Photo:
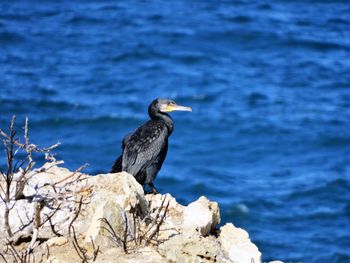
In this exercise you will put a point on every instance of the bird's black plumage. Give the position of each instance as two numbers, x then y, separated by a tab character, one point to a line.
117	166
144	150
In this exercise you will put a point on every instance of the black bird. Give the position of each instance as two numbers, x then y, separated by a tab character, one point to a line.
145	150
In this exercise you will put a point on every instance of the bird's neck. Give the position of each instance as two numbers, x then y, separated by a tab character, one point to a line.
164	117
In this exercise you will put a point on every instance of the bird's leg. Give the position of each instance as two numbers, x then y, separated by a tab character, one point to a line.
153	189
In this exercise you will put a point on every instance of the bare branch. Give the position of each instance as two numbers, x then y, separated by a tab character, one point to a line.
96	250
82	252
48	251
155	220
113	235
76	215
71	175
38	206
6	220
156	231
14	167
14	252
53	228
125	240
48	217
3	257
20	171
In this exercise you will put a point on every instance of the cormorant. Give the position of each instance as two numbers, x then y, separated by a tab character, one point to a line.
145	150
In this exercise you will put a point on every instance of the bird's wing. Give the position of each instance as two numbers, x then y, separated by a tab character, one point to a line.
117	166
143	147
125	140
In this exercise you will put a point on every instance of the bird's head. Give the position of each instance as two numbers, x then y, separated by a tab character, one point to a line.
166	105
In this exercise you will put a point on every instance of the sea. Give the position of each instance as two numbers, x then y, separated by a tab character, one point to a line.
268	81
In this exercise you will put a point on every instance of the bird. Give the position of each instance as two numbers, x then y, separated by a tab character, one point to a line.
144	150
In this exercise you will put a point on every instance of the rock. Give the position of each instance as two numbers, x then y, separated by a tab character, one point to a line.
237	245
107	215
41	178
141	255
54	259
126	191
19	216
159	229
195	248
182	219
175	210
201	215
116	197
57	241
39	184
173	221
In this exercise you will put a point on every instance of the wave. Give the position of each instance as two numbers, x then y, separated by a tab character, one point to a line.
240	209
315	44
190	57
143	52
337	256
239	19
257	99
15	17
334	141
41	103
156	17
266	37
9	38
340	21
199	97
28	15
109	7
81	19
329	189
137	54
87	120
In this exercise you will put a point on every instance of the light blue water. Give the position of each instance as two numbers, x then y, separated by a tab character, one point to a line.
268	81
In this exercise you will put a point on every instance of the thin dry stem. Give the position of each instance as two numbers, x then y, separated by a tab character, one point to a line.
76	215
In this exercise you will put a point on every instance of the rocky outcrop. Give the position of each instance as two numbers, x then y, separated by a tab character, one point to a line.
109	214
236	244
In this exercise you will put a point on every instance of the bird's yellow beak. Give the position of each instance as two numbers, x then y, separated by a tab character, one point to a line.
175	107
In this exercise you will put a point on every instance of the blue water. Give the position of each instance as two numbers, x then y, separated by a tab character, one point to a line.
268	81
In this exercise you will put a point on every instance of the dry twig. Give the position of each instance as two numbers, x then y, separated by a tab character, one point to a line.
75	216
19	171
81	251
143	232
113	235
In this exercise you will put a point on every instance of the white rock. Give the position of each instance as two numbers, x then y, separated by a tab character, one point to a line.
173	221
98	228
195	248
124	188
57	241
54	259
19	216
237	245
201	215
184	235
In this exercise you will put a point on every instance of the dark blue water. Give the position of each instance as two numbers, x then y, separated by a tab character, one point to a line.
269	83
